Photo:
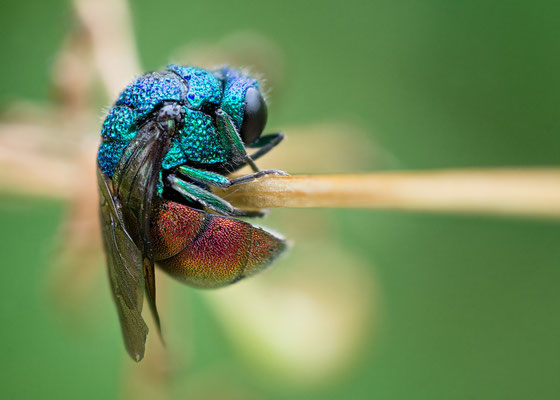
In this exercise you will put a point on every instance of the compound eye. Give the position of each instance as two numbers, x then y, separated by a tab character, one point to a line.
254	118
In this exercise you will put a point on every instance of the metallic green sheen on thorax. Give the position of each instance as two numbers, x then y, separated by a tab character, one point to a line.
199	92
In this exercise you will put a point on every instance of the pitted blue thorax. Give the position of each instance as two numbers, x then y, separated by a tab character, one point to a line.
202	95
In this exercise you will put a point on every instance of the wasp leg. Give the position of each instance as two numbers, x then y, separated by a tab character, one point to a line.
239	151
197	194
202	176
257	175
265	144
217	180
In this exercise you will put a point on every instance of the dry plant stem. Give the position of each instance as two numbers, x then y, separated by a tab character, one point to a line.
524	192
113	47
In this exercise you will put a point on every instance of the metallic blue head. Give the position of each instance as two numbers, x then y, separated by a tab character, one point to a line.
201	93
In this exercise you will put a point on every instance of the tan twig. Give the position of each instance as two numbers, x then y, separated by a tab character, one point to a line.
109	25
526	192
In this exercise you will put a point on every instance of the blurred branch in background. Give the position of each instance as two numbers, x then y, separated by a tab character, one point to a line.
113	48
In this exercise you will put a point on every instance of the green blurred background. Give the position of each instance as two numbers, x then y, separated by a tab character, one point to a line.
468	306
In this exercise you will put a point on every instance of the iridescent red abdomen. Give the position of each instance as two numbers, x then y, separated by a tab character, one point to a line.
207	250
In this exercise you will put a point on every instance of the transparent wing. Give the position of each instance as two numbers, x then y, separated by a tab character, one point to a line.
135	180
126	276
126	204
